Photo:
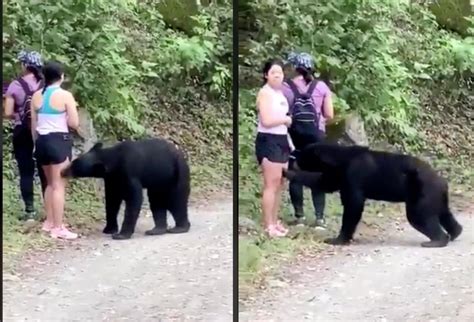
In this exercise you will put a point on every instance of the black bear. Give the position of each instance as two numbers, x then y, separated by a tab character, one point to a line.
359	173
131	166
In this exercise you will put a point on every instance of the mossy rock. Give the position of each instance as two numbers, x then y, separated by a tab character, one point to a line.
347	130
451	14
176	13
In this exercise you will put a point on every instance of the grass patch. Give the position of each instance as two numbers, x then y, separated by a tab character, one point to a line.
260	257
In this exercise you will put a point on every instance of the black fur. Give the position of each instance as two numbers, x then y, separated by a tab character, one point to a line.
359	173
131	166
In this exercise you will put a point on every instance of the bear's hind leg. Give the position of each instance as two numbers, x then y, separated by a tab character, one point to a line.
450	224
422	218
159	211
133	204
447	220
179	210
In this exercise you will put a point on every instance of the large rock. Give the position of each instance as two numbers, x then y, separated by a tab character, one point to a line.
248	227
87	136
348	130
451	13
84	140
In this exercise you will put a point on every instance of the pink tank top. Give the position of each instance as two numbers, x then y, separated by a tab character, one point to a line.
280	107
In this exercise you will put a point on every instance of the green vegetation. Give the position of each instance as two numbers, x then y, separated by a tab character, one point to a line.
137	76
388	61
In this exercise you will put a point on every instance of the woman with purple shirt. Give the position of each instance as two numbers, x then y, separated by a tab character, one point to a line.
14	98
303	76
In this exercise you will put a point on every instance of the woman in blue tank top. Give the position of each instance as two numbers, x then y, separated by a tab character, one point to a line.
53	112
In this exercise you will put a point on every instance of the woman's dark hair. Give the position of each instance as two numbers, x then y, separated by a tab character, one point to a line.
306	73
52	72
268	65
36	72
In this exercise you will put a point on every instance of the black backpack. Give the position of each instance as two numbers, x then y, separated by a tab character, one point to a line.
24	109
304	127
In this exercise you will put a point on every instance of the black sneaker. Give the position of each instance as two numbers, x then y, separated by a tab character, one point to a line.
320	224
297	221
30	214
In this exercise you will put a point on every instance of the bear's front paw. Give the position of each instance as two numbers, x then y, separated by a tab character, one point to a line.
110	230
337	241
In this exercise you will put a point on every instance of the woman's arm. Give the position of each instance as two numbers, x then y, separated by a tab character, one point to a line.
290	142
8	107
9	99
35	103
72	114
265	112
328	109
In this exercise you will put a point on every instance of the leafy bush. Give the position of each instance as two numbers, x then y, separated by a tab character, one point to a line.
110	60
375	52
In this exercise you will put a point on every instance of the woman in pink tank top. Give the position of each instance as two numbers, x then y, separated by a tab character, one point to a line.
272	145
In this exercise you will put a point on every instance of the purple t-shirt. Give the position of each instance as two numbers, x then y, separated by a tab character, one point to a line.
319	93
16	91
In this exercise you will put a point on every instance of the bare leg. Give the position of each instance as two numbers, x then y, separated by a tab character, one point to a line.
58	194
48	195
58	201
272	183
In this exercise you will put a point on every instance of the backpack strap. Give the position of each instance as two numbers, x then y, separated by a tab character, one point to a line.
293	88
312	86
25	87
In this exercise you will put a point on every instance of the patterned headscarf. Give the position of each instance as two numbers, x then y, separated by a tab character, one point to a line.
304	60
30	58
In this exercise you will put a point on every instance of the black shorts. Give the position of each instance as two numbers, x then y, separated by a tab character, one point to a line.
274	147
53	148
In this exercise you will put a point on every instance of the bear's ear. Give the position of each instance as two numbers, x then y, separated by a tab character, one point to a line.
97	146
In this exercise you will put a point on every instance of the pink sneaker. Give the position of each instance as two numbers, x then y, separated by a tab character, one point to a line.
63	233
272	231
279	226
47	226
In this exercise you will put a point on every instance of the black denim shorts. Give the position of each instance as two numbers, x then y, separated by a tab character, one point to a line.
53	148
274	147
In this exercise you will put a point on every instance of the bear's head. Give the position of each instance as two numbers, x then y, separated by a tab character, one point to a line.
312	158
88	165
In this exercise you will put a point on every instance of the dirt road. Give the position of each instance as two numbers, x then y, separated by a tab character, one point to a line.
372	280
185	277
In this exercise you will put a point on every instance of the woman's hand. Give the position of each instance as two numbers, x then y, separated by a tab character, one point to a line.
288	121
290	143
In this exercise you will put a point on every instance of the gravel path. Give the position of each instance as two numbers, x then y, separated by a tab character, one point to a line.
373	280
186	277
